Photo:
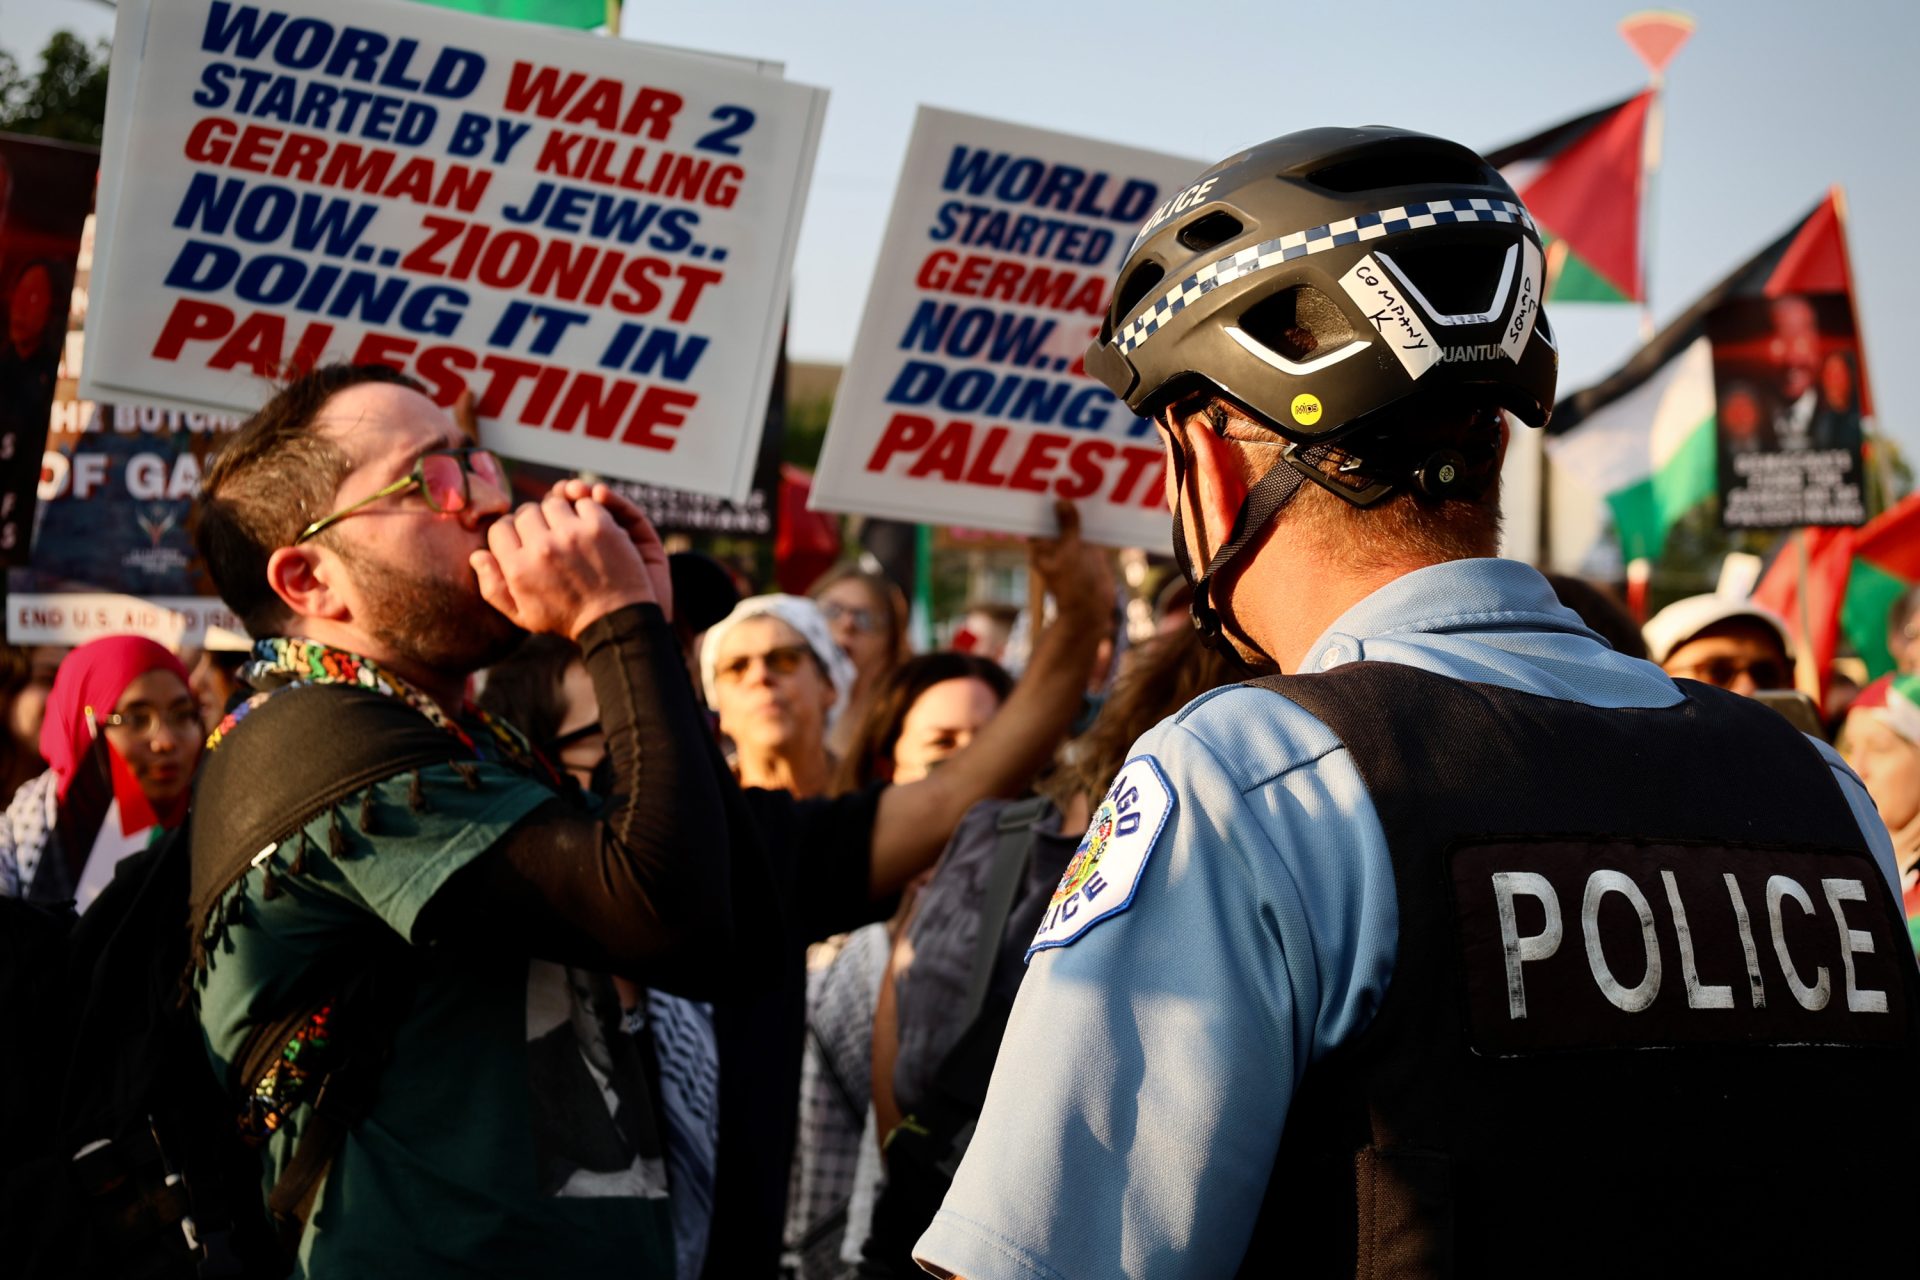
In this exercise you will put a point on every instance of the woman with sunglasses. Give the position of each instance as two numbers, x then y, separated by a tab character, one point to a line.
122	737
779	685
868	616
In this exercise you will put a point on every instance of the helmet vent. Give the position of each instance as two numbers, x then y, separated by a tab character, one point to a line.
1455	278
1417	166
1216	228
1298	323
1135	287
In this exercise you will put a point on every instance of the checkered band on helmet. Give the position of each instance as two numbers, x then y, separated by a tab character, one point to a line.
1327	274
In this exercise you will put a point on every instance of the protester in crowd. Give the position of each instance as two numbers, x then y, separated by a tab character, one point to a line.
1903	627
1881	740
779	685
924	1005
987	628
868	616
930	707
1313	999
546	690
121	735
214	677
843	862
1731	644
30	674
440	902
1602	611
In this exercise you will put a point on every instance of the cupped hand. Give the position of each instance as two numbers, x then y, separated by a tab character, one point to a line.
639	530
558	565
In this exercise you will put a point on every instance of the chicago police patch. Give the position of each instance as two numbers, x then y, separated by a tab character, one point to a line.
1105	871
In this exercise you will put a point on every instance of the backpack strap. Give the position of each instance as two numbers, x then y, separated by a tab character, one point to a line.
1011	854
305	749
923	1153
368	1014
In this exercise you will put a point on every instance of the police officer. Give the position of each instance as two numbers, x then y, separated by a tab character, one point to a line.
1469	946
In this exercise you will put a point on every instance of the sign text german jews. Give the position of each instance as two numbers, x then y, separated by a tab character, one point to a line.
965	401
592	236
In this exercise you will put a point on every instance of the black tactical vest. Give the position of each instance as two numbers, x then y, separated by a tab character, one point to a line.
1652	1012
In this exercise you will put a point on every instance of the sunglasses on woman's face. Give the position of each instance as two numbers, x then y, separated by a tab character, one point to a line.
863	620
781	661
442	476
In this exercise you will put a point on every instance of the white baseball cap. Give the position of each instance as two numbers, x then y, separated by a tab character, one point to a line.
1682	620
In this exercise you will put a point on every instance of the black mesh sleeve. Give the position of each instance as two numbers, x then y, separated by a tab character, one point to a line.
644	890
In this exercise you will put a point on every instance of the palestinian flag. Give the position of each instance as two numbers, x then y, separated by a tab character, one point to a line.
583	14
1853	576
1644	436
104	817
1582	181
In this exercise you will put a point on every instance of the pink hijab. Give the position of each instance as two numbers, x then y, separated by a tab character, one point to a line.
94	675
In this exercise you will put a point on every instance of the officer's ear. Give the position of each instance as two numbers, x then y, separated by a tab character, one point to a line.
1218	484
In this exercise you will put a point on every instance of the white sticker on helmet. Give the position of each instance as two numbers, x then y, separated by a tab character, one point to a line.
1526	311
1393	315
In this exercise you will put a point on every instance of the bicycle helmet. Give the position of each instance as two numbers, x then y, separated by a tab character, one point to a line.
1318	279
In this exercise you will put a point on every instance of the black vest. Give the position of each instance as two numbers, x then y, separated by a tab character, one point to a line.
1652	1009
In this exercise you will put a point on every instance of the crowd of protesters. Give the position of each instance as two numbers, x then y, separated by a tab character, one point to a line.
724	896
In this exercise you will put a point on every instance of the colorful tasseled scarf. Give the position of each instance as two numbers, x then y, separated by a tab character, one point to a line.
283	661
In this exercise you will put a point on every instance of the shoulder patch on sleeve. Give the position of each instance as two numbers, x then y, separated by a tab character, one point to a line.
1105	871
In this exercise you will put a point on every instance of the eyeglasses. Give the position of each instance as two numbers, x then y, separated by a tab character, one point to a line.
441	475
1766	673
146	721
782	661
863	620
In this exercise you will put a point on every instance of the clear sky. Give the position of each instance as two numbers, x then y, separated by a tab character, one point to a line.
1770	103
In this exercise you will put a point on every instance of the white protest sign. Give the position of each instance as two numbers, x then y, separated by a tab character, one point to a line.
593	236
965	401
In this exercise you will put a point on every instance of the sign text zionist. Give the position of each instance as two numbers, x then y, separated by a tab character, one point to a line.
593	236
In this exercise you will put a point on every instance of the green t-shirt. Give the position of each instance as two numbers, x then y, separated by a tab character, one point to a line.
510	1135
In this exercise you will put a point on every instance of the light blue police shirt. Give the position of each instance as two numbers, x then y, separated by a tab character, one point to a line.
1137	1103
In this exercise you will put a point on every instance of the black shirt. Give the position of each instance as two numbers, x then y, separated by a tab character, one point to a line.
820	853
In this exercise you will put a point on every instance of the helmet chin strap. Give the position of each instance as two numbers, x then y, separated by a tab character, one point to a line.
1263	502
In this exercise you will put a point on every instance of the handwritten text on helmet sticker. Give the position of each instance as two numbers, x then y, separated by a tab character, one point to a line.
1393	316
1526	311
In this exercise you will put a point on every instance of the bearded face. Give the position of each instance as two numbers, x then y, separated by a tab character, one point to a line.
435	623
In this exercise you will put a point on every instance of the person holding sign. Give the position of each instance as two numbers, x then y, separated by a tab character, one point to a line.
383	874
1354	968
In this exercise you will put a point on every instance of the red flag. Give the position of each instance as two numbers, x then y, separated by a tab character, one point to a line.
1829	563
136	811
1656	35
806	543
1816	262
1582	182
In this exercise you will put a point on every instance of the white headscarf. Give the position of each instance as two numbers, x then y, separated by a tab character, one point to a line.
804	616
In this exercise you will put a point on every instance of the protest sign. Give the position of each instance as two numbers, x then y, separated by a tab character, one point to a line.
1786	372
593	236
111	551
46	189
965	401
679	511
